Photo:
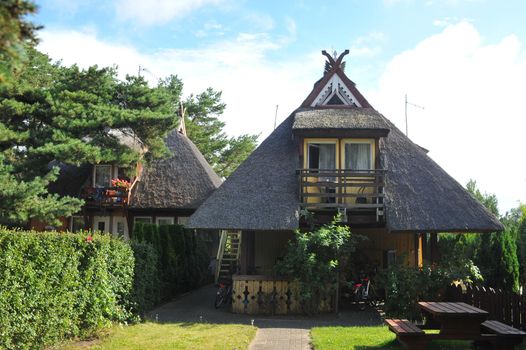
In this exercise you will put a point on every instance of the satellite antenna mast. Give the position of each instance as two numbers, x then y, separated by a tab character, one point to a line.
276	117
414	105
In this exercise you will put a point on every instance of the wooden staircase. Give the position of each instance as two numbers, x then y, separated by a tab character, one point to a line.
228	254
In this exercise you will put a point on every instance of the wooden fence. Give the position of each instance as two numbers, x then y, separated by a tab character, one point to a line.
506	307
258	294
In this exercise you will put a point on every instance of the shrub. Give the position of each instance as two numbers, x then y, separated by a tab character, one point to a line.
146	293
182	257
405	286
313	260
55	285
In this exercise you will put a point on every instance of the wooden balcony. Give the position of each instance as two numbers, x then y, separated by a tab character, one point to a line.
105	196
351	192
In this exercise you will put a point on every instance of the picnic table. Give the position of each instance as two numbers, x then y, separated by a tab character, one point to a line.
458	321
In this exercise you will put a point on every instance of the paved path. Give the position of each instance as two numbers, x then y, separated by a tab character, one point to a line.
274	332
281	338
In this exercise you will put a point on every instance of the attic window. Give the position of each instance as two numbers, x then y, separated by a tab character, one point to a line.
358	156
322	155
335	100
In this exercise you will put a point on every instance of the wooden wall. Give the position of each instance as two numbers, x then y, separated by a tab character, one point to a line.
379	241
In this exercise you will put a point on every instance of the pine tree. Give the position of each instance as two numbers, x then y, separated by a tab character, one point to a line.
66	114
205	129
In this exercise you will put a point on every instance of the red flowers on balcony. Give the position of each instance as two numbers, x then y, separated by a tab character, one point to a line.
124	184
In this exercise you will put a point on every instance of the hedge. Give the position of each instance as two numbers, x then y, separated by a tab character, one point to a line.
58	285
183	259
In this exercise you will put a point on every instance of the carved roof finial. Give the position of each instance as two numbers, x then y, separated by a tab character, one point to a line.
334	63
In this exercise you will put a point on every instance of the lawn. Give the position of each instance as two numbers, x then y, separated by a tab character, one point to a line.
170	336
377	337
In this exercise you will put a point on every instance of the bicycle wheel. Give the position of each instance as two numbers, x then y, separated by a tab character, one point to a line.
373	298
220	298
360	298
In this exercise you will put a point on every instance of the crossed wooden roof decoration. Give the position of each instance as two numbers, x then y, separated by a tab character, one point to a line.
335	68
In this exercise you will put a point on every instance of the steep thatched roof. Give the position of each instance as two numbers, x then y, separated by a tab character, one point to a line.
419	195
262	193
182	181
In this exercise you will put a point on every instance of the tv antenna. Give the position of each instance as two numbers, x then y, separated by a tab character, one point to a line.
411	104
276	117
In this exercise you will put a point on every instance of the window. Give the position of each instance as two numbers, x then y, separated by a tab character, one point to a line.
143	219
102	176
101	226
358	156
120	228
122	173
322	155
77	223
182	220
389	258
165	221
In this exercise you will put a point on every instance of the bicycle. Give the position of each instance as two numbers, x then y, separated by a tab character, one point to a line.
364	293
223	294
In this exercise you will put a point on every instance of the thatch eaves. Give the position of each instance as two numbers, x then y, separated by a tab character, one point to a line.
182	181
349	118
262	193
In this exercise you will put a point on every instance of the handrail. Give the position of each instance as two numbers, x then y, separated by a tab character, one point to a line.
349	189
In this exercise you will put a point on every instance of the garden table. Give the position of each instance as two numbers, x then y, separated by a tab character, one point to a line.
457	320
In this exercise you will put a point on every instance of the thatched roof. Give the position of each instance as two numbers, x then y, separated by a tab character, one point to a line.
350	118
182	181
262	194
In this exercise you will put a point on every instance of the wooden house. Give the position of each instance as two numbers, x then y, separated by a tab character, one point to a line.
165	191
337	154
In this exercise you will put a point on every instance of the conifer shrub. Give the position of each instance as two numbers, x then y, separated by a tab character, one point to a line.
182	262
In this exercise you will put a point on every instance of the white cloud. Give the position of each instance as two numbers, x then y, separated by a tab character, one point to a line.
474	115
252	85
158	11
368	45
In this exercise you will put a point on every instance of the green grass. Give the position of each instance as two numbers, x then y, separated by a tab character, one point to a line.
378	337
177	336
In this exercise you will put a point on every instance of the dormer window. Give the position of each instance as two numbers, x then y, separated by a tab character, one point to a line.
102	176
322	155
359	155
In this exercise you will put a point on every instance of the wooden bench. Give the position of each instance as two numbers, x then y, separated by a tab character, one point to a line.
506	337
412	337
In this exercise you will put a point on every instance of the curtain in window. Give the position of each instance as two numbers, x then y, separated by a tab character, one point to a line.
358	156
327	156
102	175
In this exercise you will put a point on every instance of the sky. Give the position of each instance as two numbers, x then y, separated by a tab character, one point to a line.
463	61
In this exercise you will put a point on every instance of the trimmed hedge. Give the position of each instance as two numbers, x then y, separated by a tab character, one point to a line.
57	285
183	259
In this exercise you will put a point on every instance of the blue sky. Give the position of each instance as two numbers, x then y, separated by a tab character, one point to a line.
463	60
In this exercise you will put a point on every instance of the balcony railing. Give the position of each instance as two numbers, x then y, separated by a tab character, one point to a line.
343	189
105	196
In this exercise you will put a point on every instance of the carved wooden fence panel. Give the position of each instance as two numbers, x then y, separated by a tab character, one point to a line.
266	295
506	307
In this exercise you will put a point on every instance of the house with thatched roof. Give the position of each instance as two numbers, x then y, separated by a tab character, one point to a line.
336	154
165	191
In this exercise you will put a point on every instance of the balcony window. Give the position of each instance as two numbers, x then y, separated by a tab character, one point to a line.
358	156
102	176
322	155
